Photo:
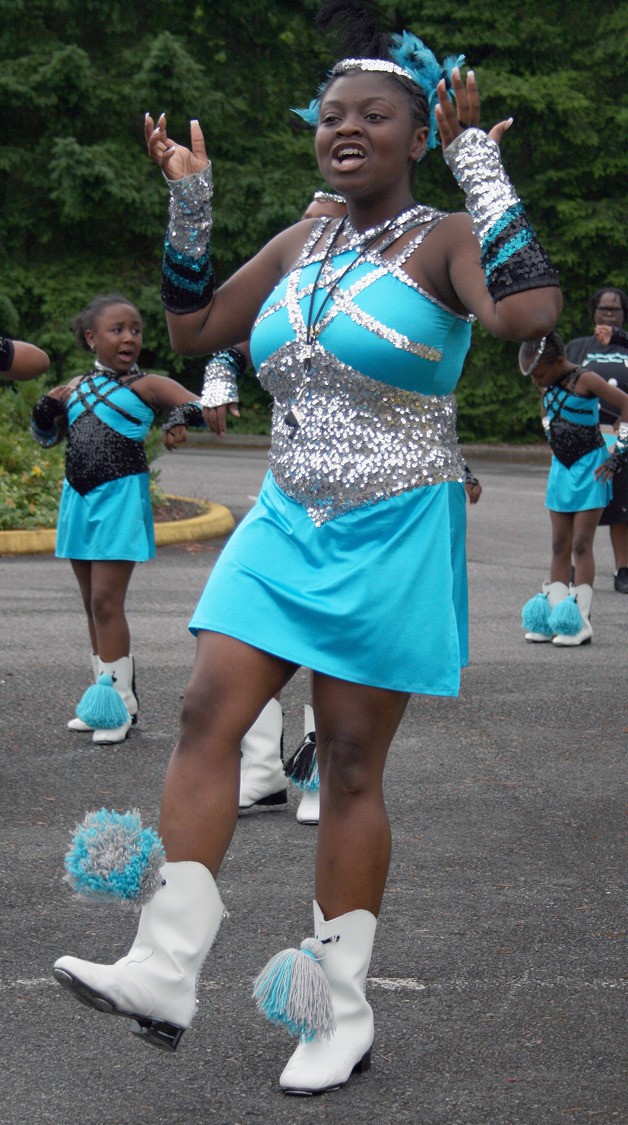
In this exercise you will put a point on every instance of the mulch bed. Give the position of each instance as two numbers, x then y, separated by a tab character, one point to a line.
173	509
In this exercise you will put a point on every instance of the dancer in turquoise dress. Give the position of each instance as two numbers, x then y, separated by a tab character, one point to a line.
105	523
360	327
578	487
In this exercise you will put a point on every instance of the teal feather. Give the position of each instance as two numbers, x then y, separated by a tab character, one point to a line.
102	707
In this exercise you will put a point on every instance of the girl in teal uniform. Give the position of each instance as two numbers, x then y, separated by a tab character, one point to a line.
346	563
578	487
105	522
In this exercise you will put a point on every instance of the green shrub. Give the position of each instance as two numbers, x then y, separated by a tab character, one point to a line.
31	478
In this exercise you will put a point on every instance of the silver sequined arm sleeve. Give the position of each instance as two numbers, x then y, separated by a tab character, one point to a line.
221	375
512	256
187	275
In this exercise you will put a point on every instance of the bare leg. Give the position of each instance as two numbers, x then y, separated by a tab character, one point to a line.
230	684
562	538
109	585
619	543
584	528
83	574
355	726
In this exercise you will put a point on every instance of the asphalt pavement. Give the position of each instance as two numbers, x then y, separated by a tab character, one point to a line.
496	978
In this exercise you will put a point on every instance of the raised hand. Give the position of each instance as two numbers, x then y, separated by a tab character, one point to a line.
453	117
603	333
175	161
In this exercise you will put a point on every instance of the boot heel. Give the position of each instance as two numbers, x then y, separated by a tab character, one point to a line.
159	1033
364	1064
280	798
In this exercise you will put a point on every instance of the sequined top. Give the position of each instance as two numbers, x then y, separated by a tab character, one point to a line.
107	424
574	431
372	390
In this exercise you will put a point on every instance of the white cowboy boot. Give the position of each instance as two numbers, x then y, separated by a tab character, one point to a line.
155	984
308	811
76	723
262	780
583	596
554	593
122	672
325	1064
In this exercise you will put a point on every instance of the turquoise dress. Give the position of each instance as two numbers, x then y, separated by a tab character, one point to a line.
105	512
573	487
352	561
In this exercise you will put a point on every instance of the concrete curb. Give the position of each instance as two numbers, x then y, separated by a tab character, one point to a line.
215	522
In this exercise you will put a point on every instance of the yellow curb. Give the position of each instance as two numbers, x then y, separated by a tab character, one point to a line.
216	521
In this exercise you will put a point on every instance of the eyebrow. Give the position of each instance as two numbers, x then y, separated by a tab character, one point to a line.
370	100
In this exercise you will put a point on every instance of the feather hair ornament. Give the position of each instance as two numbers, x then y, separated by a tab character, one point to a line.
417	62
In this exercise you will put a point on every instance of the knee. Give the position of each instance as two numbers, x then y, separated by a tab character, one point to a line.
561	545
345	771
103	607
196	710
582	546
204	726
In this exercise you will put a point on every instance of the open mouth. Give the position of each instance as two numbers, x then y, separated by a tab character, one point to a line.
348	157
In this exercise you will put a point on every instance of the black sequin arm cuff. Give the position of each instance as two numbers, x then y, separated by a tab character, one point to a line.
187	276
43	426
512	256
7	352
188	414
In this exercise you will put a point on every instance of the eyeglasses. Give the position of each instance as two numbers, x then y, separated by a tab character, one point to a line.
609	308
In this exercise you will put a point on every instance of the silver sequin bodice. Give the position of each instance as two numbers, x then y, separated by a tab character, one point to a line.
360	439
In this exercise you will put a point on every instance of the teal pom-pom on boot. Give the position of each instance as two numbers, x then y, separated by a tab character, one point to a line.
102	707
535	615
566	618
576	610
293	991
114	858
302	769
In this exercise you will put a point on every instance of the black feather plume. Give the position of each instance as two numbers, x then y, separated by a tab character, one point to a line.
354	30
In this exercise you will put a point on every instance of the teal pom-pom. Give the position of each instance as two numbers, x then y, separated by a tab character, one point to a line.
293	991
102	707
113	858
535	615
302	767
566	618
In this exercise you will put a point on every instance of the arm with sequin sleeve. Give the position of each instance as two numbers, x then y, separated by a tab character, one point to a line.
512	257
187	275
48	421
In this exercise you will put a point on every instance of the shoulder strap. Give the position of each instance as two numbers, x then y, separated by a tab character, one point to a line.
426	225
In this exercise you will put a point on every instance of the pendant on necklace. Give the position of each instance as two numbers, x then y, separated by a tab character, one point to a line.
293	419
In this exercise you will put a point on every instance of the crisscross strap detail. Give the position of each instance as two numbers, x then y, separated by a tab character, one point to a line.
102	395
